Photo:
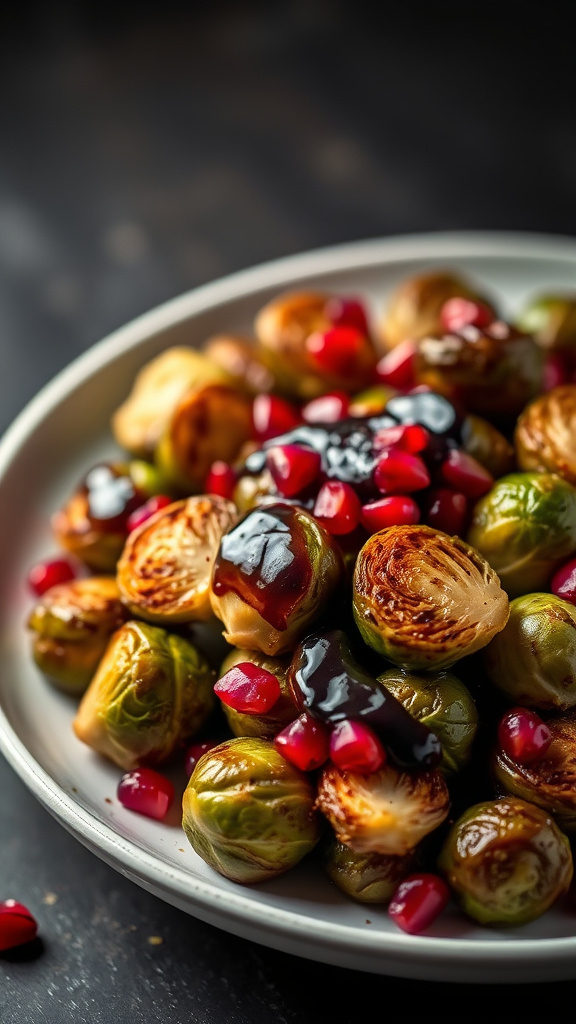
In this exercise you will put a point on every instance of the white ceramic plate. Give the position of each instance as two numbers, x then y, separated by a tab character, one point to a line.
42	458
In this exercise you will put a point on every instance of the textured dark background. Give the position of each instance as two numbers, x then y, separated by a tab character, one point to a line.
146	149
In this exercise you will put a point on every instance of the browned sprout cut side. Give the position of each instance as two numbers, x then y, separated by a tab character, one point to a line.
545	433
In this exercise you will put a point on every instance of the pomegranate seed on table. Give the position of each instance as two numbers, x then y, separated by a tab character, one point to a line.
337	350
248	688
305	743
146	791
409	437
399	472
194	752
51	571
337	507
143	512
563	583
458	312
327	408
221	480
347	310
446	510
464	473
418	901
394	510
292	467
272	415
17	925
355	747
396	367
523	735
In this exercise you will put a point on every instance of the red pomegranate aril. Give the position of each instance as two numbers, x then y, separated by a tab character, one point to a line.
336	351
396	368
305	743
523	735
400	472
221	480
355	747
194	752
337	507
346	310
292	467
446	510
17	925
563	583
327	408
272	416
418	901
248	688
410	437
143	512
146	791
395	510
464	473
51	571
459	312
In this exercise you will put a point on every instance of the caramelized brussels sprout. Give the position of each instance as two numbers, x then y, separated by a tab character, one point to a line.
152	691
249	813
488	445
366	877
71	625
551	320
445	705
526	527
248	366
506	862
386	812
545	432
274	574
164	571
533	660
284	711
423	599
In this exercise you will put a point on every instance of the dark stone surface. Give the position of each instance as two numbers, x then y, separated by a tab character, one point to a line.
148	150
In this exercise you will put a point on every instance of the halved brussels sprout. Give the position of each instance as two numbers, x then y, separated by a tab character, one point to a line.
488	445
423	599
366	877
533	660
72	624
386	812
551	320
150	694
445	705
164	571
274	575
526	527
506	862
249	813
284	711
545	432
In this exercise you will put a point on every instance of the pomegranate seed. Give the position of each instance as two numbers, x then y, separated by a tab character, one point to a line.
556	371
458	312
397	472
146	791
563	582
272	415
464	473
355	747
395	510
248	688
194	753
221	480
48	573
410	437
396	368
418	901
17	925
446	510
292	467
305	743
346	310
141	514
523	735
337	507
328	408
337	350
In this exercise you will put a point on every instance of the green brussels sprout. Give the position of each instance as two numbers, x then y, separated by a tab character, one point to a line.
284	711
71	625
551	320
366	877
526	527
533	660
488	445
423	599
274	575
445	705
506	861
249	813
150	694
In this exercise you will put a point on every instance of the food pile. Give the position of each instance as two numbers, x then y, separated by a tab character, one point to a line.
375	515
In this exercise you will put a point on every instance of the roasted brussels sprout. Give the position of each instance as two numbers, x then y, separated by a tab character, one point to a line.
526	527
506	862
545	432
551	320
533	660
248	365
274	574
488	445
249	813
164	571
152	691
445	705
548	781
284	711
366	877
386	812
423	599
71	625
